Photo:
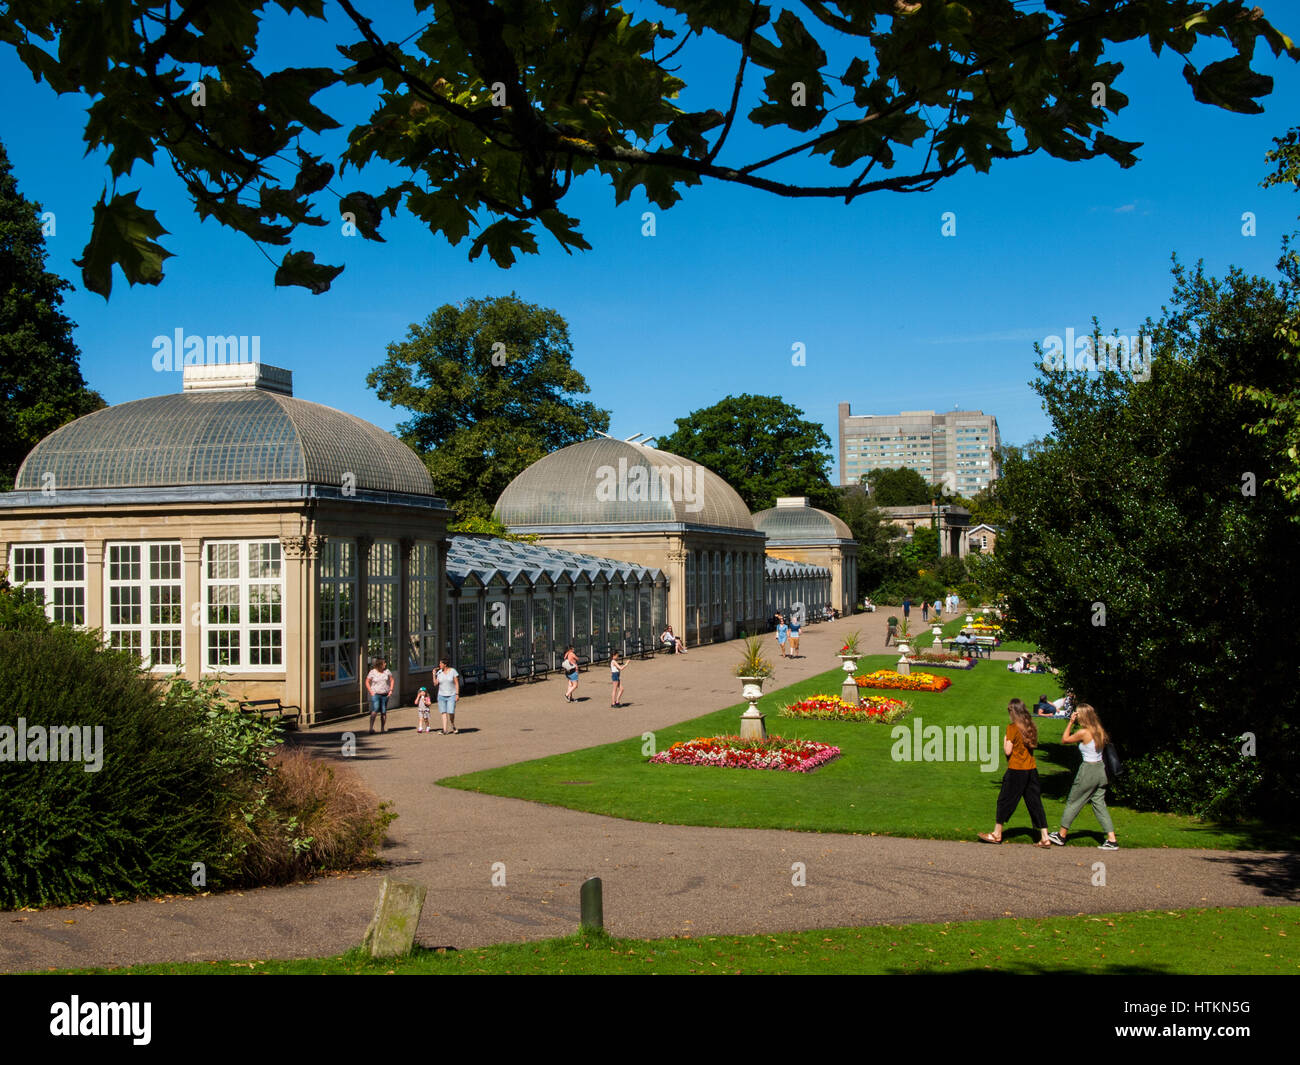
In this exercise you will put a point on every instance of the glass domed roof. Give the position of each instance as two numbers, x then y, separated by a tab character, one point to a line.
222	437
793	521
603	481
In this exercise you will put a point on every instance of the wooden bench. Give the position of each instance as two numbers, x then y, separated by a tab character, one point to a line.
263	707
603	652
583	662
479	677
640	648
528	667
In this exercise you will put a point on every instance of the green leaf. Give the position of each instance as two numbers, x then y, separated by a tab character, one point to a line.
300	268
1230	84
122	235
500	239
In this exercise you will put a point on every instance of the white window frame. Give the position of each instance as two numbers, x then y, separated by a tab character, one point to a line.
334	552
422	587
144	585
244	629
50	586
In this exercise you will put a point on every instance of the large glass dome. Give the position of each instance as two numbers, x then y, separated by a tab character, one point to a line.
223	437
613	482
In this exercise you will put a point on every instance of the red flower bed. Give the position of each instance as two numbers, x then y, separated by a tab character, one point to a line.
731	752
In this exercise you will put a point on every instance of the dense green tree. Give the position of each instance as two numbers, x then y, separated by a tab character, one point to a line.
1281	420
483	115
490	386
41	386
760	445
1148	543
901	487
875	536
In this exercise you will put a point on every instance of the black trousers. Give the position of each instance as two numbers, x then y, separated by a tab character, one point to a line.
1018	784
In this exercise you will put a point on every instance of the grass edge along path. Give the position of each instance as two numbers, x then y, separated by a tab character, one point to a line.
1259	940
865	791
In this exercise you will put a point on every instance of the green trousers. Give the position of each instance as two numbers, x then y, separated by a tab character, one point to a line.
1089	787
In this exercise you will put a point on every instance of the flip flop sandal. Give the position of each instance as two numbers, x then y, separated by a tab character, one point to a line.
988	837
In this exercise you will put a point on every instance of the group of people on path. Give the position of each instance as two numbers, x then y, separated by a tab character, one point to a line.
787	635
379	686
617	663
1021	779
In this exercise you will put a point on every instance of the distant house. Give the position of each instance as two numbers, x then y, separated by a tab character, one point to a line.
982	538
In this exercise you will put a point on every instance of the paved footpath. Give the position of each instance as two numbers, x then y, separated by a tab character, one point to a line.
659	879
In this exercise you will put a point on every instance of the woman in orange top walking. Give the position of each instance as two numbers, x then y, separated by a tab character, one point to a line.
1021	778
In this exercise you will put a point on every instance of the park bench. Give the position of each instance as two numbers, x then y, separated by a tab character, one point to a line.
264	707
528	668
583	662
479	677
602	652
640	648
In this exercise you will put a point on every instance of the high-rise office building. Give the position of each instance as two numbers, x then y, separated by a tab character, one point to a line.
957	449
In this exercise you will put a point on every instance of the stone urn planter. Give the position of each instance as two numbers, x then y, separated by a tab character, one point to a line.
752	723
849	687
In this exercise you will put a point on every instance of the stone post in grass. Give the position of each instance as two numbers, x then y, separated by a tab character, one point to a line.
391	933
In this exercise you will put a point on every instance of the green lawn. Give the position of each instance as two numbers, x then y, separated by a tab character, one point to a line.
864	791
1258	940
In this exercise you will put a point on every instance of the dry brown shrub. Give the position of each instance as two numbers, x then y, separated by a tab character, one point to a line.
317	816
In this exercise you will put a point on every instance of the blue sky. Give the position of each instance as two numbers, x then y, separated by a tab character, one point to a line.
893	315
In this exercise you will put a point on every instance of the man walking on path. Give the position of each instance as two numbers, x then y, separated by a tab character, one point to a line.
892	632
907	608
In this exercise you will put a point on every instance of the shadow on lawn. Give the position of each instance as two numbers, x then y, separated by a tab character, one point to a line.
1028	968
1276	875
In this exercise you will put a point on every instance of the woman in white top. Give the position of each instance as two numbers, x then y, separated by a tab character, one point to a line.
1090	782
617	664
379	686
448	692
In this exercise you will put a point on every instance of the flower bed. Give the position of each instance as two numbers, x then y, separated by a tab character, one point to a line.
955	662
910	682
731	752
832	708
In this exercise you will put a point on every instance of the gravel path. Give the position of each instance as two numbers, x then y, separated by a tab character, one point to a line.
659	879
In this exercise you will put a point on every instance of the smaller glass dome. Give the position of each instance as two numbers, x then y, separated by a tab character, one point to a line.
793	521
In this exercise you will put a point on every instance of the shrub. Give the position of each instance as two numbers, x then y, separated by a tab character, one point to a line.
135	826
313	816
1207	778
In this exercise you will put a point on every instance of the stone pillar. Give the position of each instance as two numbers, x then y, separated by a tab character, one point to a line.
297	626
193	653
95	585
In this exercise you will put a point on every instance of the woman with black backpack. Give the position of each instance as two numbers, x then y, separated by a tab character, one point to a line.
1090	782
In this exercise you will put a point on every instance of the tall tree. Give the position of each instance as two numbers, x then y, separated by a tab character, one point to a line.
900	487
873	533
761	446
41	386
484	114
1281	414
491	386
1150	541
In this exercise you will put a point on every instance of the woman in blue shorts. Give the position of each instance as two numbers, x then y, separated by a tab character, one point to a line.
616	666
782	633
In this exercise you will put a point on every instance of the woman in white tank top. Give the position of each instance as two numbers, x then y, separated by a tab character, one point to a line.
1090	782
